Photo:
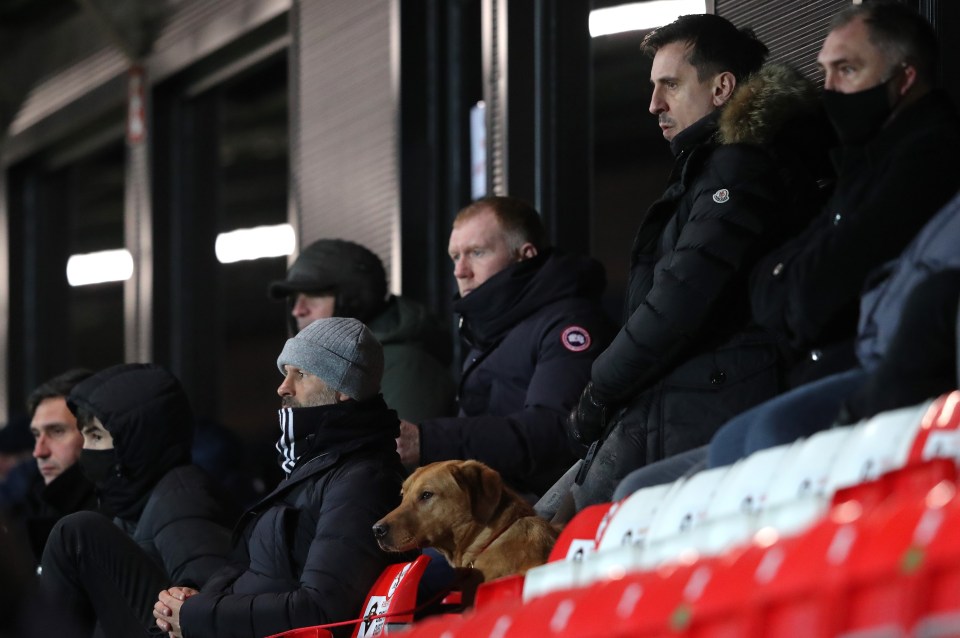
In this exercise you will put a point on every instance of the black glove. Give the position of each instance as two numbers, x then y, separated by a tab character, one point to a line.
587	420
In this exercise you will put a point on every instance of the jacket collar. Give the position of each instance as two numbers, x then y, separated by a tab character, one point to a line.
695	134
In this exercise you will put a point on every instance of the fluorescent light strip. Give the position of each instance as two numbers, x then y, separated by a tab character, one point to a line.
255	243
641	15
98	268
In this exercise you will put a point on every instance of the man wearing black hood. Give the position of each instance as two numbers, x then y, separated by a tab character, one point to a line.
532	319
308	555
172	521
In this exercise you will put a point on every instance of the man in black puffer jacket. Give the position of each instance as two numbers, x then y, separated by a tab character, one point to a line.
308	555
532	319
688	356
172	520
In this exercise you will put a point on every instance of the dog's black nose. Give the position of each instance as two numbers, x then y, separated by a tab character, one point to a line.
380	530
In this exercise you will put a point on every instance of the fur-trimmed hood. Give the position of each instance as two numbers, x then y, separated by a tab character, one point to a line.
761	106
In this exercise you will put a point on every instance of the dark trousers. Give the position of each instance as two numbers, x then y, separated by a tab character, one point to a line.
102	576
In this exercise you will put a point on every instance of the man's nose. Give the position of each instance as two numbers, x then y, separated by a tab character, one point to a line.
40	448
657	104
461	269
829	81
285	388
299	307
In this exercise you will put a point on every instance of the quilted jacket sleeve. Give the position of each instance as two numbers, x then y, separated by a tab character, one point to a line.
734	201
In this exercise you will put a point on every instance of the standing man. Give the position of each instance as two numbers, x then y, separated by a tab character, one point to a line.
898	164
532	318
338	278
688	356
307	555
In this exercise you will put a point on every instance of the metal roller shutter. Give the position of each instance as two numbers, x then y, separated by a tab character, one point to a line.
793	31
344	123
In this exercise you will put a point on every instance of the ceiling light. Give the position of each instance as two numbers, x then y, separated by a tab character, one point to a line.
100	267
641	16
255	243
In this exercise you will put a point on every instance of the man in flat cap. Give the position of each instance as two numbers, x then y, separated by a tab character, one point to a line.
308	556
340	278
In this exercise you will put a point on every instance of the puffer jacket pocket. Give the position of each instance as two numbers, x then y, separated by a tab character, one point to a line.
271	544
703	393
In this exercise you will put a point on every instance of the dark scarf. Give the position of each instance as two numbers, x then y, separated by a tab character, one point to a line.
521	289
306	433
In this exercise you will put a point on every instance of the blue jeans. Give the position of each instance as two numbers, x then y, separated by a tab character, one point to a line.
667	470
800	412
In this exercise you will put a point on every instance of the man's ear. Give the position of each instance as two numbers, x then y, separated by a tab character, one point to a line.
723	86
341	397
527	251
908	79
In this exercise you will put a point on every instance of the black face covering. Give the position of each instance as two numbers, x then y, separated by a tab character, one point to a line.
102	468
857	117
99	465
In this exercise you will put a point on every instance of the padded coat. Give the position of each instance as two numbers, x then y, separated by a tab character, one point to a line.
307	554
808	290
688	356
535	329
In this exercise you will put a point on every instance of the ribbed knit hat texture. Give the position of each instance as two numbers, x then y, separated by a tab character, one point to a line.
342	352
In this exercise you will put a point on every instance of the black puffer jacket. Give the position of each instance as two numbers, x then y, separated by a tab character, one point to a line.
308	555
808	290
535	329
174	511
687	358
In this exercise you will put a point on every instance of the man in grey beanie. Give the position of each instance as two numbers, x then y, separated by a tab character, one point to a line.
310	557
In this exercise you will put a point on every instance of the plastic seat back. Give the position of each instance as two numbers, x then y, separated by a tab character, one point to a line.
579	536
798	494
685	507
876	446
392	600
939	433
629	524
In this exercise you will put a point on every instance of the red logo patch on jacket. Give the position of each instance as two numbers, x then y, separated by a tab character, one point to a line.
575	339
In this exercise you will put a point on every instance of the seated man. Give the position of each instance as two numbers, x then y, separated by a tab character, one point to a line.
172	521
888	339
338	278
61	487
532	318
307	555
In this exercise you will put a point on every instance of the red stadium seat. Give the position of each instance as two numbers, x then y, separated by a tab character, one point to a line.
939	432
579	537
394	593
509	588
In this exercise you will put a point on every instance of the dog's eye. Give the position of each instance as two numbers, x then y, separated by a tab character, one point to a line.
426	495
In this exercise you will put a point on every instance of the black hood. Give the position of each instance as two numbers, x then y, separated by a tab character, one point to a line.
521	289
146	411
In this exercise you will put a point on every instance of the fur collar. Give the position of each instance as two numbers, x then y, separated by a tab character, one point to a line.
761	106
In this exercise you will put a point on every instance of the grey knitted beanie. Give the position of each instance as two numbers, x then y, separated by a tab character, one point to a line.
342	352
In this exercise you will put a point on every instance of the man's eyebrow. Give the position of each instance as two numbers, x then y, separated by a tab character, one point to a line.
663	78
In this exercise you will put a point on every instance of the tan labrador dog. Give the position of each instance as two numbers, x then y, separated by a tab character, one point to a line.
464	511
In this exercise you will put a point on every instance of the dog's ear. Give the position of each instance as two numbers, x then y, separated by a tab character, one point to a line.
484	486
